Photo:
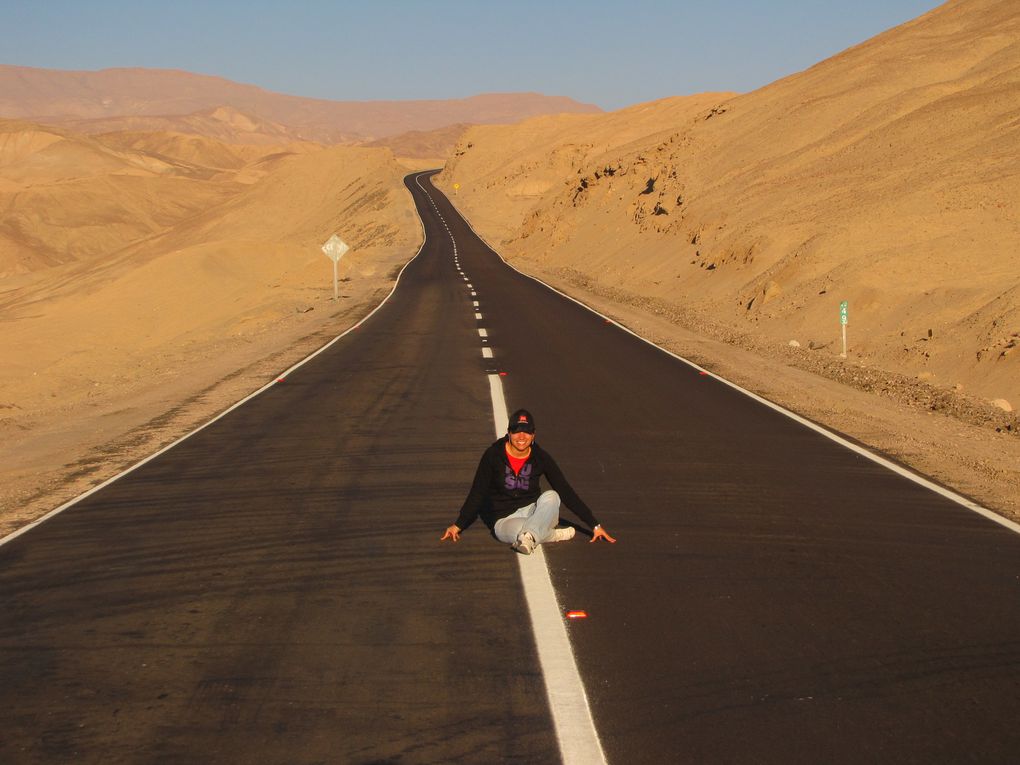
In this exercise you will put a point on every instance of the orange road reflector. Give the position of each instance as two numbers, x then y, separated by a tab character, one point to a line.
577	614
703	374
502	374
280	379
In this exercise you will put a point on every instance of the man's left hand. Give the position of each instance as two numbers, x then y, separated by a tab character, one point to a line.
600	533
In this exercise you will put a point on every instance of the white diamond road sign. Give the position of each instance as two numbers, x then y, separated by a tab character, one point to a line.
335	247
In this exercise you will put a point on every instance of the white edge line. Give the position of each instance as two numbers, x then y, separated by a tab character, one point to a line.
276	379
918	479
568	703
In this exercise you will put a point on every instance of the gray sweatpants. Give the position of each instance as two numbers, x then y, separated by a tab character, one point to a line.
539	518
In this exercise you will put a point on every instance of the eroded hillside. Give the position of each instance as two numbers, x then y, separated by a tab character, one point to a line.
886	176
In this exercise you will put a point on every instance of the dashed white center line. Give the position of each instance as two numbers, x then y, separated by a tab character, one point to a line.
486	353
478	315
483	332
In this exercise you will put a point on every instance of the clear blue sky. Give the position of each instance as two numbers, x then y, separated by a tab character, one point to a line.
609	53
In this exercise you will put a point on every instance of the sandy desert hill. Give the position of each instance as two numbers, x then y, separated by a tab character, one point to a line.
887	176
222	123
423	144
177	149
67	198
144	270
515	166
147	99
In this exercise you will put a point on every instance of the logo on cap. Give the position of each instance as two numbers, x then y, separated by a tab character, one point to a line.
521	420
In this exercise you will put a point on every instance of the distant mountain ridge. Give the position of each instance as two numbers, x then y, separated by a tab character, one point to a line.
224	123
131	98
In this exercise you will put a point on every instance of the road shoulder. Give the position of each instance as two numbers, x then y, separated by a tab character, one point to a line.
974	460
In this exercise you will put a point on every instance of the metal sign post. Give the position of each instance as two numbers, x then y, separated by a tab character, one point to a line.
843	312
335	247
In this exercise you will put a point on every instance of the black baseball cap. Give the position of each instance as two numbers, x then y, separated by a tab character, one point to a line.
521	421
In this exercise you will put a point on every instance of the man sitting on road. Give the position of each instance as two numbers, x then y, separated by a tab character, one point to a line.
507	477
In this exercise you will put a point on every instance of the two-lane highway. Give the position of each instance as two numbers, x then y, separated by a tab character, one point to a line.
273	588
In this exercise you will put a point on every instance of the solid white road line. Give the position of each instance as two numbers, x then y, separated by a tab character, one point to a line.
575	728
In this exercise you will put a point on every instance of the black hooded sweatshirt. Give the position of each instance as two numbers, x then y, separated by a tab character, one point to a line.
496	484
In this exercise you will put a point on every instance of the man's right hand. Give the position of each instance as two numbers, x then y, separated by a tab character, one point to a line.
452	533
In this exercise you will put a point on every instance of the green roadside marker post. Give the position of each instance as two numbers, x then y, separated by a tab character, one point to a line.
844	310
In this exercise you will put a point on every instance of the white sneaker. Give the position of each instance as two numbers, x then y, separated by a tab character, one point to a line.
562	535
525	543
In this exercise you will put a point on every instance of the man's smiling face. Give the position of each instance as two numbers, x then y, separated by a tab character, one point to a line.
521	441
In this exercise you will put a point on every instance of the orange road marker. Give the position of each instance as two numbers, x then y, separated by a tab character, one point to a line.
577	614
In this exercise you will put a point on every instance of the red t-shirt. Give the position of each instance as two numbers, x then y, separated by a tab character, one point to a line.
516	462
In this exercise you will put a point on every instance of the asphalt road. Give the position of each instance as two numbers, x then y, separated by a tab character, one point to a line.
273	590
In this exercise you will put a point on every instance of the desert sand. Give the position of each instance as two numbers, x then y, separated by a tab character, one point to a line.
148	281
731	227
